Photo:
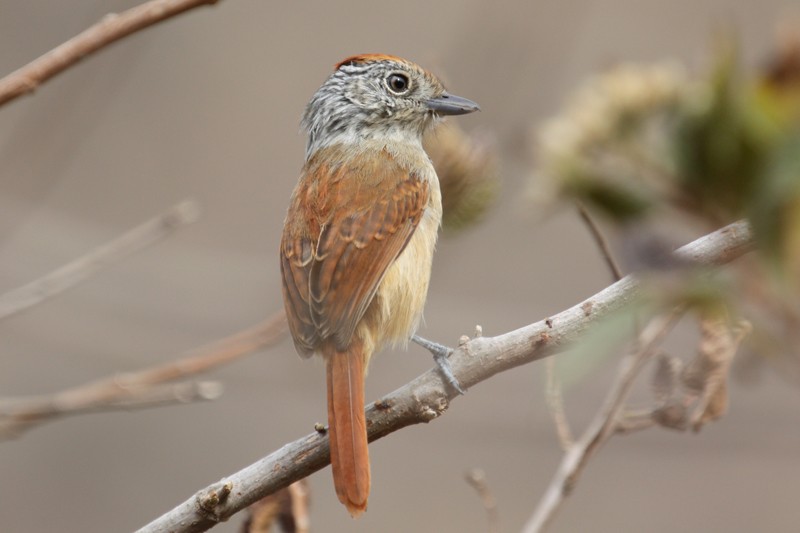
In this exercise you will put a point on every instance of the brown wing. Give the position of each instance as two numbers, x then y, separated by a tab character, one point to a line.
345	226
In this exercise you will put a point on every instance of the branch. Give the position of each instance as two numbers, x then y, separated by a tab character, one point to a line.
286	510
298	492
149	396
144	388
111	28
428	396
477	480
555	405
73	273
602	426
553	395
601	242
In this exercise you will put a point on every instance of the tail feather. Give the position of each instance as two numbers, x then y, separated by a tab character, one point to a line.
348	427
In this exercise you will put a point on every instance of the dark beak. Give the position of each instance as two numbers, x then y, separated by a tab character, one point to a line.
449	104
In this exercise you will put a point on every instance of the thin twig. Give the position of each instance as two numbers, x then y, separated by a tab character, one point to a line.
427	397
602	426
553	392
477	480
285	510
555	405
139	389
71	274
299	495
149	396
635	421
111	28
602	243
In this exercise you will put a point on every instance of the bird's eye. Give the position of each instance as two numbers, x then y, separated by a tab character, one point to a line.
398	83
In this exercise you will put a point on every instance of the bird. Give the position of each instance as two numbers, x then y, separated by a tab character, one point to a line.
359	236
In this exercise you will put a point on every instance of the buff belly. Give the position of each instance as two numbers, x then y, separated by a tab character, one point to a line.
396	310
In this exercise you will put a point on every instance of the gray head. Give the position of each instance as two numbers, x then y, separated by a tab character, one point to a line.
374	96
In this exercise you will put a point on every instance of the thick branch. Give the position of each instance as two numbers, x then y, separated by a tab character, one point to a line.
111	28
428	396
143	388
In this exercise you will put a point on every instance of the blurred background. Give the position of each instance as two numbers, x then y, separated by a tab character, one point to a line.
207	106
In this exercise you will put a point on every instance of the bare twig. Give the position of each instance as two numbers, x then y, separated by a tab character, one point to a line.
635	421
707	374
602	426
111	28
602	243
285	510
142	388
553	393
477	480
149	396
71	274
299	493
427	397
555	404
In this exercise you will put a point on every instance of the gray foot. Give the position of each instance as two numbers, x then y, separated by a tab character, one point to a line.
440	356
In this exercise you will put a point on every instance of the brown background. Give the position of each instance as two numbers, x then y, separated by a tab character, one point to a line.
208	105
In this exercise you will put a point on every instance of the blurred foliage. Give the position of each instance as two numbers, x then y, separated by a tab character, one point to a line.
640	144
605	338
608	148
699	292
720	147
467	166
638	140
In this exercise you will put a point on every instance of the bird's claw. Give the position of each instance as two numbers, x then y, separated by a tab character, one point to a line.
441	356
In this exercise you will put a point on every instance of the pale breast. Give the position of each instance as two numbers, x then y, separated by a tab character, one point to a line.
401	295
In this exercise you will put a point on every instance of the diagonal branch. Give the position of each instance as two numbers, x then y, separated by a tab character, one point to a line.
145	388
427	397
477	480
603	425
111	28
601	242
71	274
555	405
553	395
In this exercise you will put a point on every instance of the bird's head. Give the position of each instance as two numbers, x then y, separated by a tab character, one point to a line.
372	96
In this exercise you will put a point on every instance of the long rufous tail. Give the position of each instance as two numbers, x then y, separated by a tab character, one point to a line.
348	426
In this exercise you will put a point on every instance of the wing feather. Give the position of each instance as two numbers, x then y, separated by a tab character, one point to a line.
360	216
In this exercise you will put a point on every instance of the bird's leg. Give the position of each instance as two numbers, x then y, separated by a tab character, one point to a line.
441	354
